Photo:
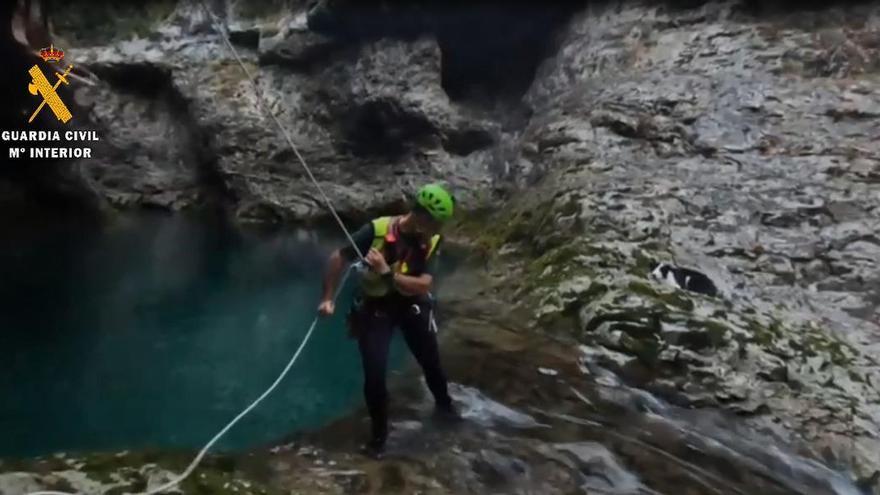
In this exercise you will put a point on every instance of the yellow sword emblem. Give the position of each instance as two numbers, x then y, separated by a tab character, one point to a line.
41	85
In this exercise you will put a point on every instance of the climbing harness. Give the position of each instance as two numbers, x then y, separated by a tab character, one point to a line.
385	232
177	480
432	321
360	265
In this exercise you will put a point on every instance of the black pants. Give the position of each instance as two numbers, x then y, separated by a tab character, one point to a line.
373	323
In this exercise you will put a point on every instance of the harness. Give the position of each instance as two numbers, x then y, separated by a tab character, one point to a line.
372	283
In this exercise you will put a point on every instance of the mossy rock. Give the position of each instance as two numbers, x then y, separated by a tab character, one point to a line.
484	228
647	350
124	472
764	335
675	299
106	21
58	484
252	9
718	331
699	335
492	226
556	267
816	342
644	317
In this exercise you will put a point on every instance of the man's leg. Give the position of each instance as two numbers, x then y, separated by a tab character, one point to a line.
374	331
422	342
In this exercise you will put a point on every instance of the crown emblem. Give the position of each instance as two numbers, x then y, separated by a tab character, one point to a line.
52	54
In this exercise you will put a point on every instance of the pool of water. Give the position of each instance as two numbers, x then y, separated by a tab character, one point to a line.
158	330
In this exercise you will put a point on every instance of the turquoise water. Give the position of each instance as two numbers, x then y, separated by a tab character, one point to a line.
157	331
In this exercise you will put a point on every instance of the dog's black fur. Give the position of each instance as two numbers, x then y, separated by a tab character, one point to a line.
685	278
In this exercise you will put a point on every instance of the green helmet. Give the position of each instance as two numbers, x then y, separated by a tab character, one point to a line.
437	201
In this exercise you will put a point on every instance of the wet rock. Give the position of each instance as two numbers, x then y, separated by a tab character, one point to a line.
777	374
299	50
391	101
497	470
601	470
157	158
762	177
694	338
246	37
196	126
475	406
709	137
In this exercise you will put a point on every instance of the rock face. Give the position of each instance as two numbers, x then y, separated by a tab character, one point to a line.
184	126
735	139
729	143
32	184
572	432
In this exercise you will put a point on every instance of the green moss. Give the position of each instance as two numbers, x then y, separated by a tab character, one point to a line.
675	299
59	484
595	291
715	331
216	474
856	377
636	331
647	317
647	350
815	341
644	263
484	229
102	21
42	465
570	207
555	266
261	8
808	342
102	467
135	485
561	260
558	323
490	227
762	335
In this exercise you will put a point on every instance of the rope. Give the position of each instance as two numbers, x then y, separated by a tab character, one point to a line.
198	459
284	133
263	106
192	466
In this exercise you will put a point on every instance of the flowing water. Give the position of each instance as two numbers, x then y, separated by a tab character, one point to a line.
155	332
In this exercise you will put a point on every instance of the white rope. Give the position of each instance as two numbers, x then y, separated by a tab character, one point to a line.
194	464
198	459
265	107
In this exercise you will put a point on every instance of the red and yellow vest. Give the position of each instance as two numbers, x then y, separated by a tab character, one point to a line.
372	284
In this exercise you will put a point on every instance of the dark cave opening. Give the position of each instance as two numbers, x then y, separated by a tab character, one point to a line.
490	50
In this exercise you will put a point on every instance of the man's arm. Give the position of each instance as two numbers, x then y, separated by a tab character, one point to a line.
341	257
418	285
335	265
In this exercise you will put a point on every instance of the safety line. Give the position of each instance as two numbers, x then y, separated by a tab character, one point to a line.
194	464
198	459
266	109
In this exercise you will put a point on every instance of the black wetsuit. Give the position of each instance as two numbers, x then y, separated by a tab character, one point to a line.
372	321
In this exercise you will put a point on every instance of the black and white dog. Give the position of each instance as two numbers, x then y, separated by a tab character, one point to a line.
684	278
